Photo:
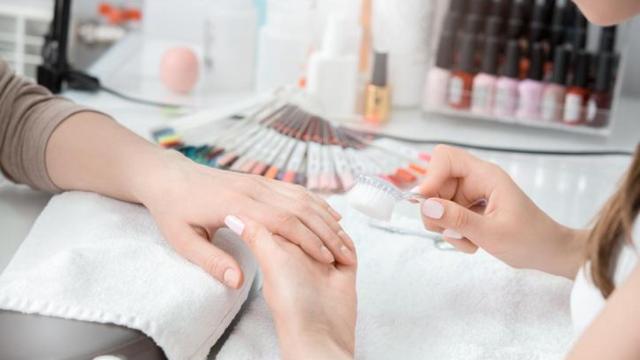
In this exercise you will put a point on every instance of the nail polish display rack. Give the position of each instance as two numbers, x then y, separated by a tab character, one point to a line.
490	66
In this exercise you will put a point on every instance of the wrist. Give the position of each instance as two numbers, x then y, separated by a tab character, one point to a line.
308	342
156	174
571	251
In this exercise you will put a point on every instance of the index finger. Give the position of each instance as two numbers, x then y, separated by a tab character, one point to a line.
454	174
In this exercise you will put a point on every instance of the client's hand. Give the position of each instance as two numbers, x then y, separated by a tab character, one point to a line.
190	201
313	304
476	204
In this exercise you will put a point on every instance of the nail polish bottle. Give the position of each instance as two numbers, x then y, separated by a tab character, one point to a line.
484	84
579	32
555	91
493	27
556	35
378	96
515	24
530	89
578	93
599	104
437	83
499	8
507	84
607	40
537	27
458	6
478	7
461	81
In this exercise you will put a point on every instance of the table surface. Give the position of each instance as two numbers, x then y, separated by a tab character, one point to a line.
570	188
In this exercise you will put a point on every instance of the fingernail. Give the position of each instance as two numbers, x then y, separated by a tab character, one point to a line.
336	215
452	234
432	209
328	256
344	236
236	225
415	190
231	278
346	252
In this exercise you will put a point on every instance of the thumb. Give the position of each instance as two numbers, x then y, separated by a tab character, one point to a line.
462	226
196	247
259	239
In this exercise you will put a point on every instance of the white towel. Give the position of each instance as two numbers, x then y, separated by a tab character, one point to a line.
92	258
417	302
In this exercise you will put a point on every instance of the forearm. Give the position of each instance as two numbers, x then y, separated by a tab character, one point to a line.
566	251
91	152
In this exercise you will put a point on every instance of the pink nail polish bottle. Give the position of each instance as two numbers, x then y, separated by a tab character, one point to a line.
554	92
530	89
437	82
484	84
507	84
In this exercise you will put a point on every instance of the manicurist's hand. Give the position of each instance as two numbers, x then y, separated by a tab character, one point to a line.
313	304
475	203
190	201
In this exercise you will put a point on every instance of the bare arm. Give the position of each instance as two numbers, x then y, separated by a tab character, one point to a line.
615	333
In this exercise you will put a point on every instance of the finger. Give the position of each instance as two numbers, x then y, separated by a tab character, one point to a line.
322	202
299	193
295	190
288	225
189	243
460	243
453	175
319	221
259	239
453	217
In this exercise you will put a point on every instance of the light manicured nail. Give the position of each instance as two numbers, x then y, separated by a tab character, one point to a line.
236	225
327	254
452	234
231	278
432	209
415	190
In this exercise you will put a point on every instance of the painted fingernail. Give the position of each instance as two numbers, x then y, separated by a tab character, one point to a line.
328	256
415	190
236	225
452	234
231	278
432	209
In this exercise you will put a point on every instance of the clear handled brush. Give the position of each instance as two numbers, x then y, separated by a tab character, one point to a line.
377	198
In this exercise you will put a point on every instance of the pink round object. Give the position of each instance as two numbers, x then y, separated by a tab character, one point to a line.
179	69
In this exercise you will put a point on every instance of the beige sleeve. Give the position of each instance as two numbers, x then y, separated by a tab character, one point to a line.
29	114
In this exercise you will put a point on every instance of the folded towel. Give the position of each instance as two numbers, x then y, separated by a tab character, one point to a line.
418	302
93	258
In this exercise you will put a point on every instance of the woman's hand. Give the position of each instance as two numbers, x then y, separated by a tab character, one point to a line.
190	201
476	204
313	304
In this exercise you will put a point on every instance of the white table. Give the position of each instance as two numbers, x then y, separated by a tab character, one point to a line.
571	189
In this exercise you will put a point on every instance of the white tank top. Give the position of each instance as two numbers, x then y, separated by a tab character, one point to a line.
586	299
